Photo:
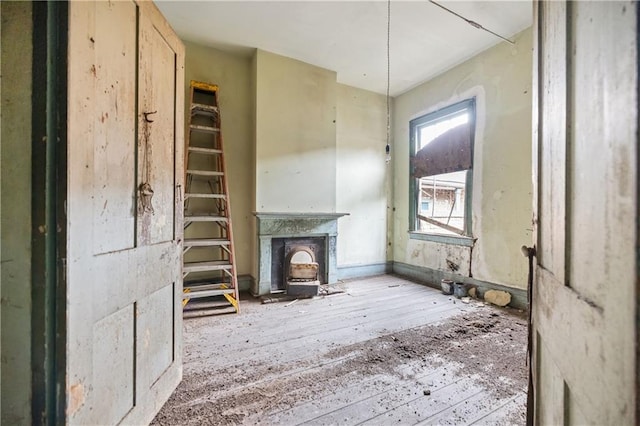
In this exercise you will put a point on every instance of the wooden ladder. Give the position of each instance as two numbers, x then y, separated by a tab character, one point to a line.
209	257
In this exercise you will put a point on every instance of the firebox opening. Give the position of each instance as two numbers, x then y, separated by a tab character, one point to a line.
304	256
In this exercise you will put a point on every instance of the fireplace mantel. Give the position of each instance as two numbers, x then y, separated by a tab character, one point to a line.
275	215
294	225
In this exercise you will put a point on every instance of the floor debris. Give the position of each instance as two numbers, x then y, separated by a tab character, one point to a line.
497	297
471	364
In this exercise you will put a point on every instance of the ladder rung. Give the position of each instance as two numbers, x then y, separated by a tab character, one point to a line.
204	173
204	218
194	293
204	107
215	265
205	242
199	150
204	87
201	286
205	129
198	195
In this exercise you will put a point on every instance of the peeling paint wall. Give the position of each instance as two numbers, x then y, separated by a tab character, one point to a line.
16	212
233	74
295	136
363	178
500	78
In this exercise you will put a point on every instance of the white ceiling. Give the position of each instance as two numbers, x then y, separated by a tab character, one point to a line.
350	37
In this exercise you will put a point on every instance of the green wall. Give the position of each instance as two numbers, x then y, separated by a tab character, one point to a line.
295	136
363	182
16	212
500	79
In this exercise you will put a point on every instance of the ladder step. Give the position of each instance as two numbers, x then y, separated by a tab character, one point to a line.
215	265
204	129
204	218
211	109
195	293
203	286
204	87
198	195
205	242
204	173
199	150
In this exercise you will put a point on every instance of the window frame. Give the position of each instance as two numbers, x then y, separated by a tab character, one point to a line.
414	127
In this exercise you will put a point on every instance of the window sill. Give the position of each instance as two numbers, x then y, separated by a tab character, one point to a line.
457	240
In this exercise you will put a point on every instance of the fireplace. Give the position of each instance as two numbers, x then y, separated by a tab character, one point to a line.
281	234
282	250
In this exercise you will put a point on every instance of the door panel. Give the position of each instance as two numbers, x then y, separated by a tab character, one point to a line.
585	123
114	119
123	286
112	374
155	335
550	409
156	139
552	155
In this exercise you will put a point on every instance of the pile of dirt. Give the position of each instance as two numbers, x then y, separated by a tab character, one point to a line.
489	344
486	343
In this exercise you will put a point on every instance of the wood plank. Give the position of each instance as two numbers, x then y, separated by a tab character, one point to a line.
320	317
290	349
406	403
473	409
272	350
361	392
513	411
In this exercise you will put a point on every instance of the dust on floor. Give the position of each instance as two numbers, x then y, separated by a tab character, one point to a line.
469	369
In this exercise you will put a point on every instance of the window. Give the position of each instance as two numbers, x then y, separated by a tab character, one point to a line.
441	171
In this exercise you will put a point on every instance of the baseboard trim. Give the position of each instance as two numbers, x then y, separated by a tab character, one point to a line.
360	271
432	278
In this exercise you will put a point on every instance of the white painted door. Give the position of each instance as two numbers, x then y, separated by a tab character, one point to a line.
585	150
124	282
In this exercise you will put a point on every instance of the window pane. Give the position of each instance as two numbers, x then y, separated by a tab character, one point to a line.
441	163
442	198
430	131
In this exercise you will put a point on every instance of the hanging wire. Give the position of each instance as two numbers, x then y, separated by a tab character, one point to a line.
472	23
388	147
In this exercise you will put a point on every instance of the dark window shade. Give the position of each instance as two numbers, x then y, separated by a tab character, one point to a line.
449	152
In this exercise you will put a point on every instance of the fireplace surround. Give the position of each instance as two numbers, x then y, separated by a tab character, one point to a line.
295	226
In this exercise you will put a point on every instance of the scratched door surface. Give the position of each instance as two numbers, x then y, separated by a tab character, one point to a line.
124	207
586	118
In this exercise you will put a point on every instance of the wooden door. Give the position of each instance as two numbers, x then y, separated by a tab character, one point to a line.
124	207
585	153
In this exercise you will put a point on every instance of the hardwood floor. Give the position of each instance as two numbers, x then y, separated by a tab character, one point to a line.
386	351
